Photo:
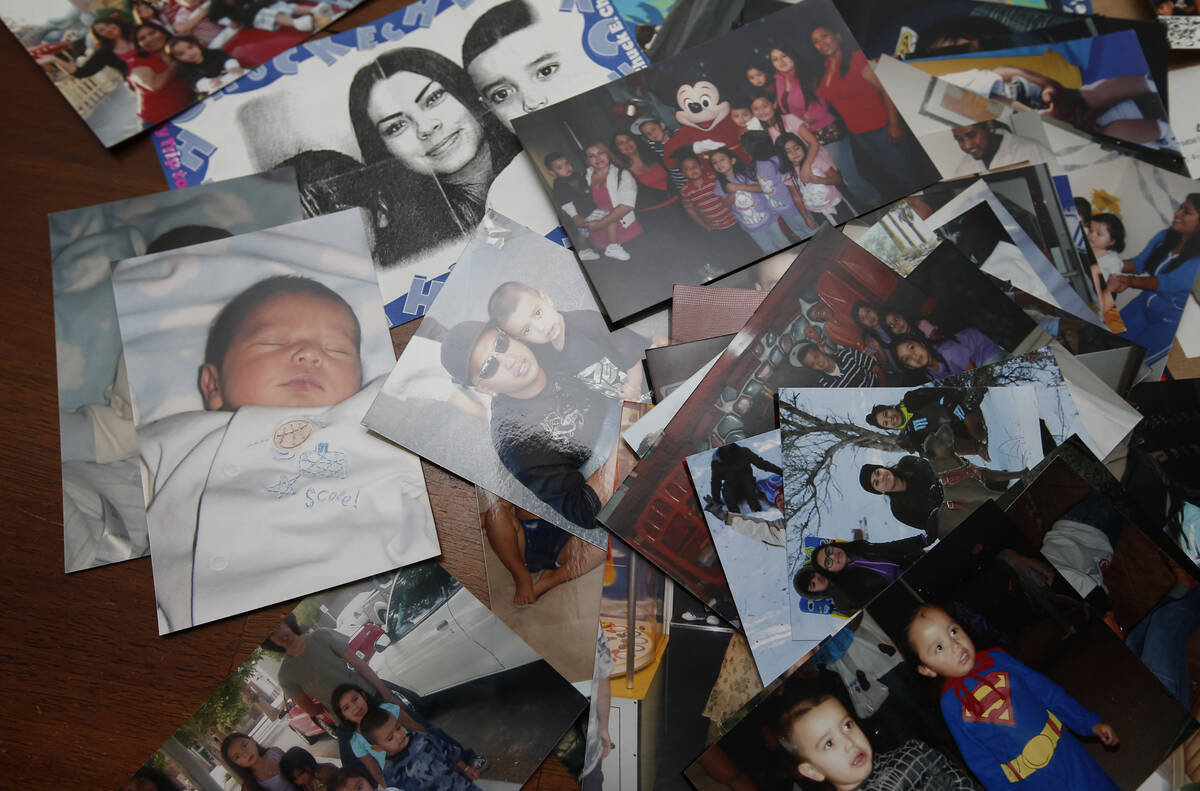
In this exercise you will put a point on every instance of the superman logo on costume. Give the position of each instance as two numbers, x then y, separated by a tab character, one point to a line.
995	701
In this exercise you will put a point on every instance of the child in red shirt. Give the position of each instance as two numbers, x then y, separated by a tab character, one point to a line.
724	237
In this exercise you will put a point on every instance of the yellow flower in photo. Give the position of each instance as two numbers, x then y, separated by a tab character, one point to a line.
1104	201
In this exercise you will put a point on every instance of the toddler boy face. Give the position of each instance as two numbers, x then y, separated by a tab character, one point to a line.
741	116
831	746
391	737
534	320
941	644
292	349
562	168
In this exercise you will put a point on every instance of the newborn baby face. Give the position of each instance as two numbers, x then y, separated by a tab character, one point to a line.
294	349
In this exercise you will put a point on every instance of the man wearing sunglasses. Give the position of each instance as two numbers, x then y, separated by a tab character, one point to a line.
552	432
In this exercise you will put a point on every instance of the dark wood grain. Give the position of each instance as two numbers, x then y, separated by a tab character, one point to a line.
89	688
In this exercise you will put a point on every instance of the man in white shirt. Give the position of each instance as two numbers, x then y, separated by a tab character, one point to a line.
990	145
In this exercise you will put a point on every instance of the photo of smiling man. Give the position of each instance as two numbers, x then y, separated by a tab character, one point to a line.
252	361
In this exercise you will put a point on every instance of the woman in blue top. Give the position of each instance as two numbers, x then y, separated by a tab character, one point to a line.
1164	273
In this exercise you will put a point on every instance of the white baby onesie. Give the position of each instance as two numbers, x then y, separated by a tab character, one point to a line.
271	503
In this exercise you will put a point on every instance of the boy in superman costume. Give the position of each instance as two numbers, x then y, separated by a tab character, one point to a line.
1012	724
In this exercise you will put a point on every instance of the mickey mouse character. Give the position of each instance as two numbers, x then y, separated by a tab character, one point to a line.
704	124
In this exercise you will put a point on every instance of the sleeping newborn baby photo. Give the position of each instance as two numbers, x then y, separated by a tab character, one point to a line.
252	361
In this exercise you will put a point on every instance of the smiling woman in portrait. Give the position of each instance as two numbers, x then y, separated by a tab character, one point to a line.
418	111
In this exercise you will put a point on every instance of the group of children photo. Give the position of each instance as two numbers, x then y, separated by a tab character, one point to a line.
168	53
723	155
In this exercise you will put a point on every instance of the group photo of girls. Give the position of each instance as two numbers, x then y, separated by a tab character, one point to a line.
705	162
129	65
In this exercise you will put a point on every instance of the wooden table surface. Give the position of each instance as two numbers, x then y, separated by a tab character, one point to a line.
89	689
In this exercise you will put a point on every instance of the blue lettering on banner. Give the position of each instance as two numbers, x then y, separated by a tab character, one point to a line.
187	114
346	498
365	38
389	32
327	49
422	12
194	150
183	155
583	6
422	292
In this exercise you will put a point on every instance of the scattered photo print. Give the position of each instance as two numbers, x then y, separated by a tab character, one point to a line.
252	361
897	236
644	435
978	224
1180	19
699	312
410	118
1185	117
1025	199
804	334
516	382
126	66
670	366
104	517
872	477
543	583
409	658
741	486
962	132
998	247
1143	226
724	154
920	28
1100	84
667	672
1022	654
1161	475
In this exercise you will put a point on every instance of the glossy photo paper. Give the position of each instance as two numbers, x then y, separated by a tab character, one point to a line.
252	361
410	118
124	67
872	477
802	335
104	519
722	155
516	382
412	651
1028	657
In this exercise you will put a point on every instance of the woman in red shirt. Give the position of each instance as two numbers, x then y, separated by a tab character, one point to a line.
849	84
154	77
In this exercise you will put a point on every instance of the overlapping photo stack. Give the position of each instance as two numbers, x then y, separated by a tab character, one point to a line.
823	371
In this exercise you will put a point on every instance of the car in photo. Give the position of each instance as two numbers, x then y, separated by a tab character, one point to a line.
439	636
